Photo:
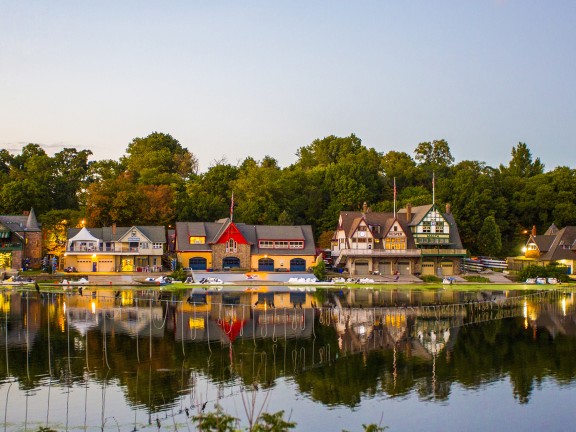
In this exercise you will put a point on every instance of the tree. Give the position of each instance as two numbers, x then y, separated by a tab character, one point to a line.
329	150
434	155
159	159
489	239
55	224
521	164
320	270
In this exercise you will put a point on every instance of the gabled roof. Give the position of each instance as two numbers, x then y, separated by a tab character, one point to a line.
371	218
561	246
212	231
418	213
552	230
386	220
543	242
282	232
21	223
156	234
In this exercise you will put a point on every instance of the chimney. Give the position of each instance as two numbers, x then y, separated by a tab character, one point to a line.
448	208
408	213
114	228
533	230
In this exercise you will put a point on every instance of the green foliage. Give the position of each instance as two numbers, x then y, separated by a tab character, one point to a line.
217	421
157	183
273	423
552	270
430	278
320	270
179	274
489	238
476	279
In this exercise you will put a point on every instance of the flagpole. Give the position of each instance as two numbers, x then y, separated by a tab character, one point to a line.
232	208
394	197
433	189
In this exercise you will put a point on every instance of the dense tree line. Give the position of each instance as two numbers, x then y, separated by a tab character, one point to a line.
157	183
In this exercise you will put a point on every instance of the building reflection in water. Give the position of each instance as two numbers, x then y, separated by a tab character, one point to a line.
411	324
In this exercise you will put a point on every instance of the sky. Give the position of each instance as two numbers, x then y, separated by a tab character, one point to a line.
237	79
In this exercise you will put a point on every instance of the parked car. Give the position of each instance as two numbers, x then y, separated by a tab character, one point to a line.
70	269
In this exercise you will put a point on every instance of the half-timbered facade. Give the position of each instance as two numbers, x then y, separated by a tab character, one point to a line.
416	240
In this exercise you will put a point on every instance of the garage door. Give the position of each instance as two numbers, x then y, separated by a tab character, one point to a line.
106	265
361	268
265	264
297	265
404	267
197	263
231	262
385	268
84	265
447	268
428	268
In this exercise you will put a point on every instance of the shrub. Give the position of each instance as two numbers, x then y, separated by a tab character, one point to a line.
477	279
553	270
430	278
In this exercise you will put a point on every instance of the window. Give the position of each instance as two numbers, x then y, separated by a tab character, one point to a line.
197	240
265	244
296	245
231	246
439	226
144	245
156	245
426	226
280	245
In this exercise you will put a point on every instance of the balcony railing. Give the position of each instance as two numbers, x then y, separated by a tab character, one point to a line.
443	251
116	249
5	247
379	252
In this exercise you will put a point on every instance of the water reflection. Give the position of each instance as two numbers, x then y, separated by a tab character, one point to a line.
127	359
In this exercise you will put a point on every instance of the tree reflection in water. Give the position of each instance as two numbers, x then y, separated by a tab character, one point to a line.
161	356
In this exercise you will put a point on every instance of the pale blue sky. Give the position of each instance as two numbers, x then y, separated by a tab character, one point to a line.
235	79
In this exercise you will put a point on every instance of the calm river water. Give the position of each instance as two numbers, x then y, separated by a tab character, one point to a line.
332	359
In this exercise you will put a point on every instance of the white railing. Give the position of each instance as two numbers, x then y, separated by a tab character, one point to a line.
380	252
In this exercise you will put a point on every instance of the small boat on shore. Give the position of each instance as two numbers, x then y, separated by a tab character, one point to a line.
81	281
17	281
160	280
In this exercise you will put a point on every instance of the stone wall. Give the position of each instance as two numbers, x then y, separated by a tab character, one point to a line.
219	253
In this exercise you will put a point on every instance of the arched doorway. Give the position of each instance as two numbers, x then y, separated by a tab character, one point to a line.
265	264
198	263
230	262
297	265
